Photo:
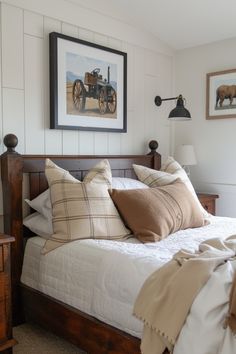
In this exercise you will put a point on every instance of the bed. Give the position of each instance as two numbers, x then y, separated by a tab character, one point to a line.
86	323
94	335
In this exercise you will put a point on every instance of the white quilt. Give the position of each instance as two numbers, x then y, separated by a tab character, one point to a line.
102	278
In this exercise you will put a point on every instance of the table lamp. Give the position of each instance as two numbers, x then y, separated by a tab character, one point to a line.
185	155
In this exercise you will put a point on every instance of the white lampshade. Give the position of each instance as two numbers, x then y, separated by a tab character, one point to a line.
185	155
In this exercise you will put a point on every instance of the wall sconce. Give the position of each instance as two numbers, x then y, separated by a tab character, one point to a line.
179	112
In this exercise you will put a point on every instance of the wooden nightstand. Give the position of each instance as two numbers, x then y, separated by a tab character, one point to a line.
6	339
208	201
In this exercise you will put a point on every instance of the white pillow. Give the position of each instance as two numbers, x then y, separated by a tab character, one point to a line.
39	225
42	204
127	183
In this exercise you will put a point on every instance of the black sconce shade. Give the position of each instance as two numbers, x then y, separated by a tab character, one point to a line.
179	112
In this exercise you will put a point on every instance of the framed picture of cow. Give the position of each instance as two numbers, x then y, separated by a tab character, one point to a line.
221	94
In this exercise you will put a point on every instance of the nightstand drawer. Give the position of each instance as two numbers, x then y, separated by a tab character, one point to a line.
6	340
208	202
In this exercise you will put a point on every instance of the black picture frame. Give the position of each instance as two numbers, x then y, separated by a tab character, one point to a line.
85	99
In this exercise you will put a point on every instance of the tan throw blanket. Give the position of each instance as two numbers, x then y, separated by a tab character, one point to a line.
165	299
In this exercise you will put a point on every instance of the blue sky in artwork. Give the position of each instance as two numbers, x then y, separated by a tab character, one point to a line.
79	64
219	82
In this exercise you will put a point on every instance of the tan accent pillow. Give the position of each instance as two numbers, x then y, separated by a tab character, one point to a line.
154	213
170	171
81	210
101	173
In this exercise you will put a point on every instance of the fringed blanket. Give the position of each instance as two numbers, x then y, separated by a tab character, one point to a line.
167	295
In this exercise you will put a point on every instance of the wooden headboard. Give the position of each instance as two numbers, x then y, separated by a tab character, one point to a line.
14	165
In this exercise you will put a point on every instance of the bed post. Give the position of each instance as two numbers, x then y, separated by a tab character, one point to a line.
12	175
153	145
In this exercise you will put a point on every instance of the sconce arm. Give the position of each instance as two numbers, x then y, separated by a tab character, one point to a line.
158	100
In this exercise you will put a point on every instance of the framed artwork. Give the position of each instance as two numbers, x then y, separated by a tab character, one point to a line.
221	94
88	85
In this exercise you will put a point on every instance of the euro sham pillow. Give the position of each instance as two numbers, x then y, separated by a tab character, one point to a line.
169	172
42	204
127	183
39	225
154	213
82	210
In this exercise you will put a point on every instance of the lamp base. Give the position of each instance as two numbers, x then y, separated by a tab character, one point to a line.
187	170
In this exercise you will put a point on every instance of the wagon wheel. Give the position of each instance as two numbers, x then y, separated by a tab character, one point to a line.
78	93
112	101
102	101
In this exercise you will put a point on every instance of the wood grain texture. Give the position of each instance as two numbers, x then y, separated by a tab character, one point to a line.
82	330
208	202
6	339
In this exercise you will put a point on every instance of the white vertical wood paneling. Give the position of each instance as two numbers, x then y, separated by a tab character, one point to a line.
70	30
101	139
114	139
33	24
34	100
86	143
157	82
128	144
115	43
139	102
86	139
70	138
1	133
101	143
129	49
154	121
114	143
24	87
86	34
146	70
12	47
100	39
53	137
13	115
70	142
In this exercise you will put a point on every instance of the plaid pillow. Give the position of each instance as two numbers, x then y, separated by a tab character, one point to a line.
170	171
82	210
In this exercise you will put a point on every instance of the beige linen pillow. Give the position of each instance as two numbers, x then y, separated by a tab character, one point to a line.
82	210
170	171
100	173
154	213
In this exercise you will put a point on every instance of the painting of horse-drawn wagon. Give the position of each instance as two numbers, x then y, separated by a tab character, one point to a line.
88	85
221	94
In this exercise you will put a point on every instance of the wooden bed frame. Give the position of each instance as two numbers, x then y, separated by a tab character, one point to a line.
83	330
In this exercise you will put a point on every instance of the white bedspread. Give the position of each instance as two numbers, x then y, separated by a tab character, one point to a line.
102	278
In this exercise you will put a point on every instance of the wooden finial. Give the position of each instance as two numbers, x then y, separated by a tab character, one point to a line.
10	141
153	145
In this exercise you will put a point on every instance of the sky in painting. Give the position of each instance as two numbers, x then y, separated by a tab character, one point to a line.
79	64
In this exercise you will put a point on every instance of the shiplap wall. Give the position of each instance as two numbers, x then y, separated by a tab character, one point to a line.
25	88
24	79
